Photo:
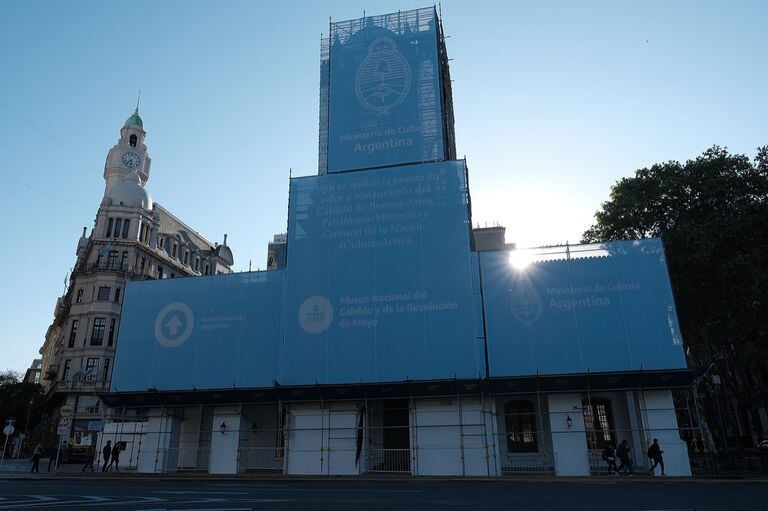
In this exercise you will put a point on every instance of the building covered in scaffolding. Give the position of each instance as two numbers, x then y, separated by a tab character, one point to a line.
390	341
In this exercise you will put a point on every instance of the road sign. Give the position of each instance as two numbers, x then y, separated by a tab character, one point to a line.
8	430
63	422
66	411
63	431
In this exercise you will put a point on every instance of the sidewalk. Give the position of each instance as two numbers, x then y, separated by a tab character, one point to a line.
20	470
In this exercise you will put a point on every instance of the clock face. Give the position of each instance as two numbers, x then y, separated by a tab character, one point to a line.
131	160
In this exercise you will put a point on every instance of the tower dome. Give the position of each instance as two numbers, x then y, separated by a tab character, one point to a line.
134	120
129	192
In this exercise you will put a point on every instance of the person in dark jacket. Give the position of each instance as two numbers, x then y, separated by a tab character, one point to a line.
37	453
654	452
623	453
90	456
609	455
115	457
106	452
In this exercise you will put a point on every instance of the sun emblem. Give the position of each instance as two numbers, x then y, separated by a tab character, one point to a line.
384	77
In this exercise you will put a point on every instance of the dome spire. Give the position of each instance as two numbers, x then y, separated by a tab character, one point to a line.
135	119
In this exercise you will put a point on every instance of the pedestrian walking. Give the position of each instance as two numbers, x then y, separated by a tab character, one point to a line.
115	457
90	456
609	456
37	453
106	452
654	452
624	454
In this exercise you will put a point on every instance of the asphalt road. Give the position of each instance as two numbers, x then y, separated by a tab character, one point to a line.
200	495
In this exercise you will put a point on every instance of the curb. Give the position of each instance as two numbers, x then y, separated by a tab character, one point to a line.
245	479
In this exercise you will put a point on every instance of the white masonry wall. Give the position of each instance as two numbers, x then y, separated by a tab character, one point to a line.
569	444
657	412
224	445
450	438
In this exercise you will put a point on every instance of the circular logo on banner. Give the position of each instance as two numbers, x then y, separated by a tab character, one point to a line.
315	315
174	324
384	77
526	304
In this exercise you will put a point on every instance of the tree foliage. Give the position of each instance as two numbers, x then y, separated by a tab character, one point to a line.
712	215
19	399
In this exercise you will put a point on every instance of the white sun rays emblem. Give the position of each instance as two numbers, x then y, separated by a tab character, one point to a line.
174	324
384	77
526	303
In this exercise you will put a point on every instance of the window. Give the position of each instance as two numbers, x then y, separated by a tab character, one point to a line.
173	275
186	257
111	337
174	249
117	295
97	334
520	421
105	373
112	260
126	225
141	266
118	225
124	261
104	292
132	140
207	269
159	272
197	263
73	333
87	404
109	227
162	242
91	369
67	367
598	422
79	298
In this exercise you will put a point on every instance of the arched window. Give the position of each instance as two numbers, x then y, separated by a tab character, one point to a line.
598	422
520	422
109	227
132	140
118	226
126	225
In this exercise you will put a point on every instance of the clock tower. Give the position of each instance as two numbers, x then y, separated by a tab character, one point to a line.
128	159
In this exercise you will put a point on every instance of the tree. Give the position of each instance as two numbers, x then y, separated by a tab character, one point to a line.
19	399
712	216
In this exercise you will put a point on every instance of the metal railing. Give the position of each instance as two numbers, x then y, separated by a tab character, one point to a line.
599	466
259	458
388	460
527	463
729	464
182	459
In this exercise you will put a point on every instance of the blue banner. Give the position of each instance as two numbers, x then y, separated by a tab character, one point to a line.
220	331
379	277
384	93
606	307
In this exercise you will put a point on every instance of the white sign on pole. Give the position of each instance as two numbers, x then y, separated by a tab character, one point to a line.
8	430
66	411
63	431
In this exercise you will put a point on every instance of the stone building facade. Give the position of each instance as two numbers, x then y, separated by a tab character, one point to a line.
132	238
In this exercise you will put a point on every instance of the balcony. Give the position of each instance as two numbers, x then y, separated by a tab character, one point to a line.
80	386
129	271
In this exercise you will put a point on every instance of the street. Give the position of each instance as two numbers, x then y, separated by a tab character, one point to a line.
201	495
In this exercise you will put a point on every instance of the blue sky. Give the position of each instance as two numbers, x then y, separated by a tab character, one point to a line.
554	102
